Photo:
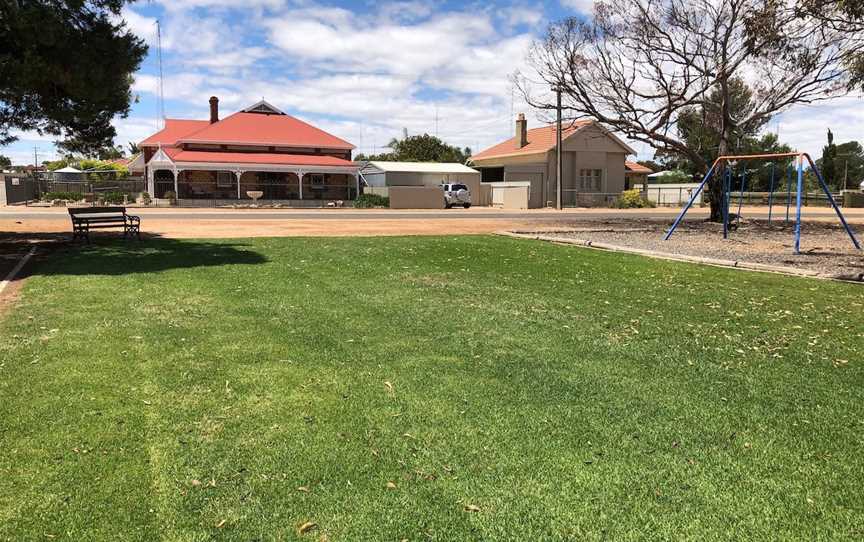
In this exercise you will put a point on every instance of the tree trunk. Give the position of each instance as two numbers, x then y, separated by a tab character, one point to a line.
715	185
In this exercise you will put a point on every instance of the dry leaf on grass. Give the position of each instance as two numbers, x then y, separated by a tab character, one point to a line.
306	527
389	387
304	489
391	485
221	523
472	508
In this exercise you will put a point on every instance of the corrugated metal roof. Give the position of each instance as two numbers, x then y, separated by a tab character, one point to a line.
422	167
540	140
271	130
634	167
174	130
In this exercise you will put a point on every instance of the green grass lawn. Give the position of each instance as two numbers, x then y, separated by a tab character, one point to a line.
470	388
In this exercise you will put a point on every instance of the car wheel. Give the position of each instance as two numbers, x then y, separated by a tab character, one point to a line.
466	205
448	206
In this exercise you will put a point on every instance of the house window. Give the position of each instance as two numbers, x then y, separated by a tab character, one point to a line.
591	179
224	179
316	179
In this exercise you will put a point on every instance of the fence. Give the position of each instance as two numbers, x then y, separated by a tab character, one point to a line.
675	195
130	187
577	198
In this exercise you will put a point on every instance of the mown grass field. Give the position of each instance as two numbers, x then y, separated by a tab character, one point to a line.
470	388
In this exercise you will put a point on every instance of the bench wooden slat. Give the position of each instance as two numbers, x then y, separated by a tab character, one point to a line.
86	218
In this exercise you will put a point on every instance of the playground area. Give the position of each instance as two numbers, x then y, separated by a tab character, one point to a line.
825	246
831	250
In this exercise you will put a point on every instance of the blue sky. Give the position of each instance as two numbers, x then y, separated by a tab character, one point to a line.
366	71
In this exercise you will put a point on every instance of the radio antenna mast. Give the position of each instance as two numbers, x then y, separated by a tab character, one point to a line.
160	122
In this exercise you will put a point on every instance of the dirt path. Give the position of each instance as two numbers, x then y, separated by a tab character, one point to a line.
216	223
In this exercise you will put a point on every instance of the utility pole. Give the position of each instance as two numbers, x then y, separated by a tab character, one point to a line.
559	159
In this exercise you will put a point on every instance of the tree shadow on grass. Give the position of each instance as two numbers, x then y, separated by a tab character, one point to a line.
113	256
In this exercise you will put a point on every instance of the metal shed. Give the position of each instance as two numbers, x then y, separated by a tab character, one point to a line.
385	174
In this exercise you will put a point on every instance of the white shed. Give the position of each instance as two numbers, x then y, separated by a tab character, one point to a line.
385	174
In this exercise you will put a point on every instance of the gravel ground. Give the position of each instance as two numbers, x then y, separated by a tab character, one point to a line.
825	247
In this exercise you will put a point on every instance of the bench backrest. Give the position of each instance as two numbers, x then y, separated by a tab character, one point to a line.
73	211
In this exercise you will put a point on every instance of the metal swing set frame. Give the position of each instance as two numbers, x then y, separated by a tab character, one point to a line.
728	160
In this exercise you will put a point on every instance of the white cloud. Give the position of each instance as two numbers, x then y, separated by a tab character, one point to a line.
582	6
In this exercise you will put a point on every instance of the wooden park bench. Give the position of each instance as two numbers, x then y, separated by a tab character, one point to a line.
85	219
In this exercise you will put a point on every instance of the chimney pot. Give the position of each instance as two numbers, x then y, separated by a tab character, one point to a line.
214	109
521	131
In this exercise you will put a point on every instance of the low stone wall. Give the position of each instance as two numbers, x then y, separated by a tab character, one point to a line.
416	197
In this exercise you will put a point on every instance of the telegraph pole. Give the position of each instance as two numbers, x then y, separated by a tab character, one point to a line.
559	162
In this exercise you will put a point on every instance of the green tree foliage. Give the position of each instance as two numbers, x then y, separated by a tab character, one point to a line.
829	155
845	16
652	165
699	127
5	161
420	148
849	164
112	170
133	148
66	69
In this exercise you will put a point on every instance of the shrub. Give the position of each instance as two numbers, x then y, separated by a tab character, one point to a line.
632	199
170	195
145	198
114	197
68	196
368	201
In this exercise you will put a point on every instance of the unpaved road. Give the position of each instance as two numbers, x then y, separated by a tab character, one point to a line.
216	223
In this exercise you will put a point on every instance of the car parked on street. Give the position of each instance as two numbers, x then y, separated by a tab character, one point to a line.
456	194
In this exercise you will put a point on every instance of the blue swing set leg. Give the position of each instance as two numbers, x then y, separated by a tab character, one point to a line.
798	191
741	195
833	203
788	191
771	193
727	191
690	202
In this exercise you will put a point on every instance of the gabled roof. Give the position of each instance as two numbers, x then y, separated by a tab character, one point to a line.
542	140
633	167
419	167
264	107
271	130
174	129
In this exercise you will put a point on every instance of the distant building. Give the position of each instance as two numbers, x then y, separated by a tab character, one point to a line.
259	151
593	171
634	174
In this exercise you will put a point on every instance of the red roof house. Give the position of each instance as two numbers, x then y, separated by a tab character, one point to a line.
259	149
592	163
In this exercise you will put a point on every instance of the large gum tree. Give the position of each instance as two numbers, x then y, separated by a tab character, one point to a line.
637	65
65	69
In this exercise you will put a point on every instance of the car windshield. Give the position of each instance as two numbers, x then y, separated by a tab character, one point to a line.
458	187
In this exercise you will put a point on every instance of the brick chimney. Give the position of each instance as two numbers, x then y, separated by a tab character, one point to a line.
521	131
214	109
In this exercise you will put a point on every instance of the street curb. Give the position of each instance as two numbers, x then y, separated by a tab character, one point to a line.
717	262
17	269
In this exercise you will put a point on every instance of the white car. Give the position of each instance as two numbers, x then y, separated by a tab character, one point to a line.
456	194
